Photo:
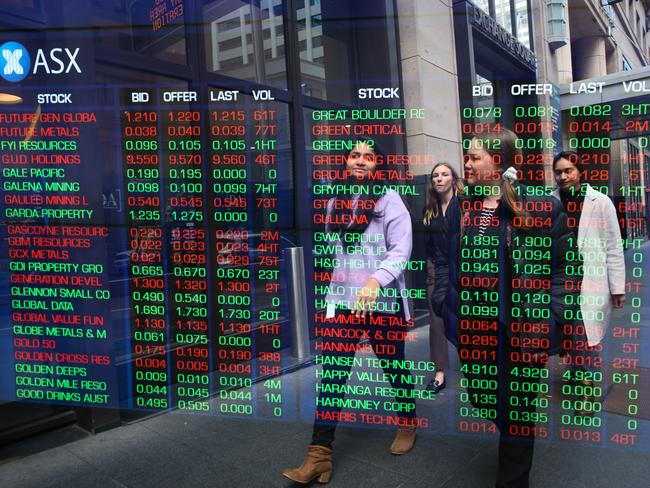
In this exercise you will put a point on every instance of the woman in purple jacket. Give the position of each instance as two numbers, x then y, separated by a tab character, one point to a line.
369	228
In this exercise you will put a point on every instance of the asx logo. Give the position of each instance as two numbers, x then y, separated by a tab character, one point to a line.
15	61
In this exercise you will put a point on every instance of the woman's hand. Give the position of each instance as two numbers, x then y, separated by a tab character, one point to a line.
619	300
365	301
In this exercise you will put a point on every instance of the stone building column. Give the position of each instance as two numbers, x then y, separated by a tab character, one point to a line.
564	65
562	55
589	57
430	80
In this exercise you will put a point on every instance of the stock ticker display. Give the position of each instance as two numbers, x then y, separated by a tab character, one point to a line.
166	288
173	301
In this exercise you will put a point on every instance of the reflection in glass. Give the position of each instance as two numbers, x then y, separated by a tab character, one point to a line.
153	28
483	5
8	5
502	11
635	161
107	78
335	39
521	14
246	42
310	39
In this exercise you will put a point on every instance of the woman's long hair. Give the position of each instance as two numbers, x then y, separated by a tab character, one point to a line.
374	189
502	147
434	206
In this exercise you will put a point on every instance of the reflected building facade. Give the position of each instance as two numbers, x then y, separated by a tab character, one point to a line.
311	56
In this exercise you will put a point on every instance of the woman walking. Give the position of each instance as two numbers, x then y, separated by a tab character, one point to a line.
441	219
515	250
370	228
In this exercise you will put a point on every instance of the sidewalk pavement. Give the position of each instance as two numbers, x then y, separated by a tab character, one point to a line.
179	450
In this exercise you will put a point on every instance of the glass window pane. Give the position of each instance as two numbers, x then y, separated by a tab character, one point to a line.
152	28
107	78
246	42
8	5
502	10
521	14
343	47
312	60
483	5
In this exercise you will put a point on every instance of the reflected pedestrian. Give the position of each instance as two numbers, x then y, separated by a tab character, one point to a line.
441	219
514	254
593	218
371	228
593	215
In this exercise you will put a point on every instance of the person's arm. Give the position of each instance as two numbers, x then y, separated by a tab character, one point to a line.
398	236
564	269
448	307
429	251
615	257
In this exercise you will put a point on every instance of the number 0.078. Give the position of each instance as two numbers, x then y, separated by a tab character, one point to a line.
481	112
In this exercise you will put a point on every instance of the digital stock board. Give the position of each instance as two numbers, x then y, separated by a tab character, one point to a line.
177	284
144	241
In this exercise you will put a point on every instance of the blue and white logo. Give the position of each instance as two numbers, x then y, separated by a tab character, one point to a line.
14	61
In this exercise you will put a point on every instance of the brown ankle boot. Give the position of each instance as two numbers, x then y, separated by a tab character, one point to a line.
403	443
317	464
